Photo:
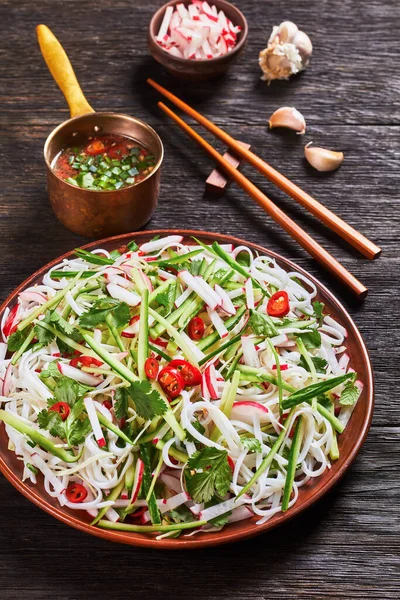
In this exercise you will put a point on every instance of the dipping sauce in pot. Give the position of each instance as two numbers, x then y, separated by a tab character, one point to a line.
104	162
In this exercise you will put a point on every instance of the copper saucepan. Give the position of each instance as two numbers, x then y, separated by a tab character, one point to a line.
87	212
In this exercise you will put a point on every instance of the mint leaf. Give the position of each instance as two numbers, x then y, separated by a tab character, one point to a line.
251	444
350	394
148	402
262	324
319	363
121	403
208	473
311	340
318	310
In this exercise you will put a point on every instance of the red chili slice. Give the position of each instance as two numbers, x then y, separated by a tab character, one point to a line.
95	147
62	408
231	463
86	361
151	367
118	151
171	381
196	328
76	492
190	374
108	404
278	304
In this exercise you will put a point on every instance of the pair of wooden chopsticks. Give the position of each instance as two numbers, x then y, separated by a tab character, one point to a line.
355	238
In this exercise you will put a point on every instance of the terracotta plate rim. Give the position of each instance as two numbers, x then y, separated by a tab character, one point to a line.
225	535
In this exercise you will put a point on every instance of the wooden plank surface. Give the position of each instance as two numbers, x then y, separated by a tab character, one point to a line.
348	545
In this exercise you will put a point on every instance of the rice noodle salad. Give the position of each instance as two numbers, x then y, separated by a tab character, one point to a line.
173	388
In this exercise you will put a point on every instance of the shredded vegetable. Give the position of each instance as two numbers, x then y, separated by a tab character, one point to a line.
170	387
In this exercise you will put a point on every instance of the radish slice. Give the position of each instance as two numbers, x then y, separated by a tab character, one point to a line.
3	350
155	245
218	323
236	293
181	299
32	297
240	513
78	375
6	387
249	293
206	293
165	23
246	411
94	421
211	381
250	354
227	304
137	481
119	293
9	324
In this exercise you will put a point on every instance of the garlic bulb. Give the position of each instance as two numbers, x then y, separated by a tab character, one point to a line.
288	52
322	159
288	117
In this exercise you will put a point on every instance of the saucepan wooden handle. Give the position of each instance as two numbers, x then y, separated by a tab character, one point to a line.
62	71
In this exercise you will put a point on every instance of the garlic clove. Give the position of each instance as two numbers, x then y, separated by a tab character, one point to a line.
288	117
303	45
322	159
287	32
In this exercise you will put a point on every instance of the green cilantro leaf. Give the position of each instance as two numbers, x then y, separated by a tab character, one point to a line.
16	339
262	324
311	339
208	473
148	402
181	514
319	363
43	336
167	300
77	426
121	403
318	310
195	266
350	394
199	427
66	390
51	371
51	420
101	309
251	444
61	323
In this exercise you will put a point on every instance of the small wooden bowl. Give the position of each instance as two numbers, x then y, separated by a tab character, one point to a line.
349	443
198	70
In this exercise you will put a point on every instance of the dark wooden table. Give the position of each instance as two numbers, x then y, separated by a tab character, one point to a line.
348	545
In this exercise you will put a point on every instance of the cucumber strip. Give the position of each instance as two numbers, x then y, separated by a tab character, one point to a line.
291	467
334	451
149	528
254	374
169	416
268	459
334	421
209	270
143	349
230	397
37	437
117	366
24	346
174	333
109	425
71	274
114	333
203	267
278	373
154	476
160	290
305	354
145	455
190	312
229	324
52	303
174	452
112	496
231	262
129	478
157	350
159	329
220	349
234	365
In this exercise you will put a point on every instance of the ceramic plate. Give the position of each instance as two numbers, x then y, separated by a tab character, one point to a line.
349	443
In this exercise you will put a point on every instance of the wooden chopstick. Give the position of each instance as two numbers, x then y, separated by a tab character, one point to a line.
305	240
348	233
